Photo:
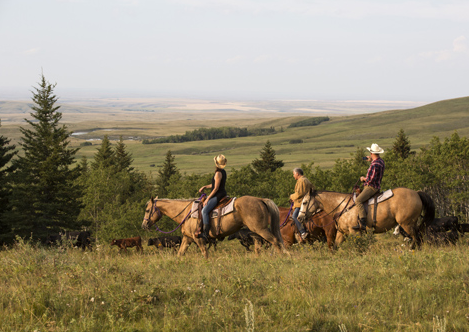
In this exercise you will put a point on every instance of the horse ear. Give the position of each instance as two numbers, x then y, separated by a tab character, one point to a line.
151	199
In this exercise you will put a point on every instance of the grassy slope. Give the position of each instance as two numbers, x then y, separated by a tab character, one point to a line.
323	144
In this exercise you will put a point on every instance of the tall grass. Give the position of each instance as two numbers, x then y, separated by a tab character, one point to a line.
369	285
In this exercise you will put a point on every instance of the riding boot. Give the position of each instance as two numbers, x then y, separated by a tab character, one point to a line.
361	225
205	233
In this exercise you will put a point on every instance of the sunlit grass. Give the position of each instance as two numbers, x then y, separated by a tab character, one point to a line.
368	285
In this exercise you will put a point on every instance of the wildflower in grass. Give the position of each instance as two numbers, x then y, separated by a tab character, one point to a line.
92	299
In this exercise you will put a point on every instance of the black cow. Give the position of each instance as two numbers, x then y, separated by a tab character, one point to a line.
246	238
80	239
165	242
443	225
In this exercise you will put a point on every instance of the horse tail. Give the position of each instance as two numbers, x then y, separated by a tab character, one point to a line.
428	208
274	218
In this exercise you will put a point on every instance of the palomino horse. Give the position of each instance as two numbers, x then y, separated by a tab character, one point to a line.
318	225
252	212
403	208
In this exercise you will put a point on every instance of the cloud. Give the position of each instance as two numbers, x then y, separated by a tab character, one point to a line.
31	51
235	59
460	47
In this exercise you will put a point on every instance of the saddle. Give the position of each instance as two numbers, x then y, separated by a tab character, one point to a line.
374	200
224	207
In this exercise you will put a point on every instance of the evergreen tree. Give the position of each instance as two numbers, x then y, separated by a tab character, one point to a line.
267	160
105	157
401	146
123	158
7	152
168	170
45	195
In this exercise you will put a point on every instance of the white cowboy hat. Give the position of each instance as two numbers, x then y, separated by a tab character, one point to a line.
375	149
220	161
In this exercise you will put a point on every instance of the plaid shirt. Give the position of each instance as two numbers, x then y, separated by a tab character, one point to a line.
375	174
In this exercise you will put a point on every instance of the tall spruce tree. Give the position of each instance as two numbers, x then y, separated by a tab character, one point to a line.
105	157
7	152
267	161
401	146
45	196
123	158
168	170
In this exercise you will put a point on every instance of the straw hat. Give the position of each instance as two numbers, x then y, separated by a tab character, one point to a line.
375	149
220	161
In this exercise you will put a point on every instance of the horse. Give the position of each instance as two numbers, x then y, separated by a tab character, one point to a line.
403	208
318	225
252	212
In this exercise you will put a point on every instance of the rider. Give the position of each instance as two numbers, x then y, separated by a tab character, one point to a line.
302	187
372	183
217	193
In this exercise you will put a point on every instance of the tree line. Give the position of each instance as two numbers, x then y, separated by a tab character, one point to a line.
44	190
202	134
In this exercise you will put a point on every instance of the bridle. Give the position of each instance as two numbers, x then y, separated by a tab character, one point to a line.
154	209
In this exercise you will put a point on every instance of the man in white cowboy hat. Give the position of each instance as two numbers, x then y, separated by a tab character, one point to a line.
372	183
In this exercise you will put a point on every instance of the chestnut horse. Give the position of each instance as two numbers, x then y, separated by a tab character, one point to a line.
252	212
317	225
403	208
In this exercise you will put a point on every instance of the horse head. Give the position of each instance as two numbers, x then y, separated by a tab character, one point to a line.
152	213
309	205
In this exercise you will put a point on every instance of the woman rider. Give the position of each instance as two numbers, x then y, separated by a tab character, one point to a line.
217	193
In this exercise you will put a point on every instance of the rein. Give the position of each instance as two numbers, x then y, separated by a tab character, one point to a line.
155	208
341	212
286	218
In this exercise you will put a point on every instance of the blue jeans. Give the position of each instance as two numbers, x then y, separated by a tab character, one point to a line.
300	226
207	209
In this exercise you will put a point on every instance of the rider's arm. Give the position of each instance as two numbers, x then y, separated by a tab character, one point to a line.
208	186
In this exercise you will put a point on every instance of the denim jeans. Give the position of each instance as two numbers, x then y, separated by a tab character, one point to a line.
300	226
207	209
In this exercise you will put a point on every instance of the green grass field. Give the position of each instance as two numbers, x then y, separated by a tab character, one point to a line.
386	287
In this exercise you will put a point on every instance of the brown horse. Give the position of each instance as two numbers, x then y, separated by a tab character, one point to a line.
318	225
252	212
403	208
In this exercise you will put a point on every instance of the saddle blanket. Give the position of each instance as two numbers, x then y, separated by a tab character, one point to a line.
384	196
214	214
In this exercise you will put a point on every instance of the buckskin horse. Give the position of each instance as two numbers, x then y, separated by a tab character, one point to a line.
255	213
403	208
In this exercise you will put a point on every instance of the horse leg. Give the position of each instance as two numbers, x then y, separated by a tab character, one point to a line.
339	238
201	244
185	243
268	236
331	234
414	233
257	245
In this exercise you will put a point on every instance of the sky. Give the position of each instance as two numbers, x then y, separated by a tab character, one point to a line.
264	49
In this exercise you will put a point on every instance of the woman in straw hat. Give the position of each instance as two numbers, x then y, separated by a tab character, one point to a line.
217	193
372	183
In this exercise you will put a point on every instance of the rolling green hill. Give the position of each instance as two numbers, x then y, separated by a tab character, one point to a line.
322	144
